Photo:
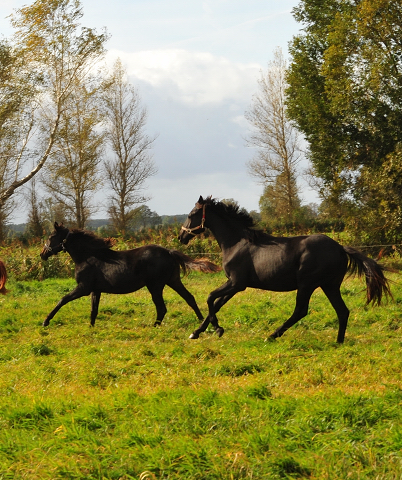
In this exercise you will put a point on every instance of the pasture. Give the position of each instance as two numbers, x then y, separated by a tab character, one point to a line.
125	400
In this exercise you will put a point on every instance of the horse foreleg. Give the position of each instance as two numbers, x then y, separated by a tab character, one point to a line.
302	300
78	292
157	298
216	300
95	297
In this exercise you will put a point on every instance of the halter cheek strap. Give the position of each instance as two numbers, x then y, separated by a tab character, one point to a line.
61	245
191	230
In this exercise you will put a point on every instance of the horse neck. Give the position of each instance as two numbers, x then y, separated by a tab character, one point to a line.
79	250
226	231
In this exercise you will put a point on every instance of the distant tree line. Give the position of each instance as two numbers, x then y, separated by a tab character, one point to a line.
68	127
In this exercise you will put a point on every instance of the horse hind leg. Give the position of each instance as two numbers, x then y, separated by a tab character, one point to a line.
334	296
301	309
95	298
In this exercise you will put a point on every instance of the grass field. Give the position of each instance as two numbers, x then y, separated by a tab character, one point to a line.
125	400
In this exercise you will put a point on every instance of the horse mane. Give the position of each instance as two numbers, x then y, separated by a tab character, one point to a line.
241	216
91	240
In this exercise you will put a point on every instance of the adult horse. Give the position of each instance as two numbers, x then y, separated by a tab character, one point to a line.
252	258
99	269
3	278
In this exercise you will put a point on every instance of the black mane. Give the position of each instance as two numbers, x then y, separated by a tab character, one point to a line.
241	216
91	240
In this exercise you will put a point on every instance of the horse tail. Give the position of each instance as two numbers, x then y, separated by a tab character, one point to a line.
376	282
187	263
3	278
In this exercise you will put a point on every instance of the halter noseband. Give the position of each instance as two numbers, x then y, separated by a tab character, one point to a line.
61	245
191	230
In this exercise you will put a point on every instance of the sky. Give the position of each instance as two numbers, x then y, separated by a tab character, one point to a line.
196	65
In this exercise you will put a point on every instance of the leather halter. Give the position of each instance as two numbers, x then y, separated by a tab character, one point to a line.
191	230
61	246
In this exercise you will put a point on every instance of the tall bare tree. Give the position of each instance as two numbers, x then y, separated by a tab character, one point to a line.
71	175
276	140
131	163
53	54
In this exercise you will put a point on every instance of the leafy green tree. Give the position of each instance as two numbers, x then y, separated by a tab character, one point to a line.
145	217
345	94
48	54
72	173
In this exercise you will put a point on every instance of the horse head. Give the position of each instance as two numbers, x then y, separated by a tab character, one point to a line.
195	223
56	241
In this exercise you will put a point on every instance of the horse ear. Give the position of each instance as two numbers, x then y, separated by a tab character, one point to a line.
200	200
56	225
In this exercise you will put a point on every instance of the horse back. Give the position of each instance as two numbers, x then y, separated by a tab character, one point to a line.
284	262
127	270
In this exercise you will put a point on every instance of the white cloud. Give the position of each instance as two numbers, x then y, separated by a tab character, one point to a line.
194	78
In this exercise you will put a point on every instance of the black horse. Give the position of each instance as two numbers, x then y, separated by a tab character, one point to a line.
252	258
99	269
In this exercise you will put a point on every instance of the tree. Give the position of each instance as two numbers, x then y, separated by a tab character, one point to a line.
71	175
145	217
48	56
17	89
345	93
276	139
132	163
35	226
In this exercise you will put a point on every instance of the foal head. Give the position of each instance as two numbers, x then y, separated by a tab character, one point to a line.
55	242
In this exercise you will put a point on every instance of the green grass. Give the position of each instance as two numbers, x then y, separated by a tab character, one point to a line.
125	400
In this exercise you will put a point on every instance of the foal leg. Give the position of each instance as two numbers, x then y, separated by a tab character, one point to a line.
157	298
302	300
334	296
95	297
177	285
78	292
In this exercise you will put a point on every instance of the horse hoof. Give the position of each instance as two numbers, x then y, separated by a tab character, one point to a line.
157	324
219	331
270	339
45	324
194	336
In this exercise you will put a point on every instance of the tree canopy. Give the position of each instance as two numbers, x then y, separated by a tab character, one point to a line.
345	85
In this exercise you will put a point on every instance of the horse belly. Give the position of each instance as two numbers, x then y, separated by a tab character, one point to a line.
274	271
283	280
119	281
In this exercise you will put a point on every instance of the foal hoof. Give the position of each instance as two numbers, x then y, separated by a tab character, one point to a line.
219	331
194	336
45	324
270	339
157	324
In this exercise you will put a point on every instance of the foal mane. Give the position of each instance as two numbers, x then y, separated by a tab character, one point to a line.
91	240
241	216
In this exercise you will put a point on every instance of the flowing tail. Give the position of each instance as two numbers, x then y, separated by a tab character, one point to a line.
3	278
376	282
188	263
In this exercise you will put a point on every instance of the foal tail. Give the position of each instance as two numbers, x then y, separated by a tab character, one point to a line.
377	284
3	278
187	263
